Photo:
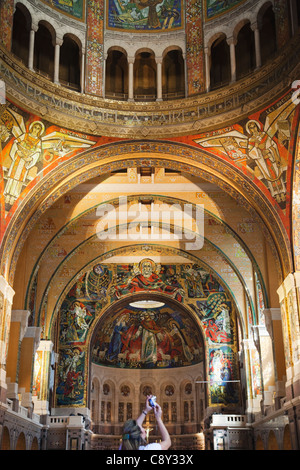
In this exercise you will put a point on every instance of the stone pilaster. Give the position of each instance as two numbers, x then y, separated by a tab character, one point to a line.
42	377
289	302
6	298
27	356
18	326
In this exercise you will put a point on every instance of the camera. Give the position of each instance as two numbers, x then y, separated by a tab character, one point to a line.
152	401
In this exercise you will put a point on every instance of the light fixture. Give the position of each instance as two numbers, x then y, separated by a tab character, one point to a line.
147	304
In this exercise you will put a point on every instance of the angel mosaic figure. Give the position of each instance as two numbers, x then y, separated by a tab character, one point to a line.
259	147
30	150
24	153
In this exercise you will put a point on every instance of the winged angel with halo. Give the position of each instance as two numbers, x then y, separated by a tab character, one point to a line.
259	148
27	149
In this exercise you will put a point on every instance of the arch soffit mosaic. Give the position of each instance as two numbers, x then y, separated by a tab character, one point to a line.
49	289
130	154
82	241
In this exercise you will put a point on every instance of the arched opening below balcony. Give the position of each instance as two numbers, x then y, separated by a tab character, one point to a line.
220	63
245	51
173	75
21	33
145	77
44	51
116	75
69	67
268	44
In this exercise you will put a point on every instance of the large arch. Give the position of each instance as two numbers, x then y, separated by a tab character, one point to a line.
108	304
113	156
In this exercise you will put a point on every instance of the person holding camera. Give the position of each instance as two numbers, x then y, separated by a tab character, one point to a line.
134	434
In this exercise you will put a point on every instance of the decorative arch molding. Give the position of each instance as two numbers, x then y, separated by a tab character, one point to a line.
114	203
138	154
105	257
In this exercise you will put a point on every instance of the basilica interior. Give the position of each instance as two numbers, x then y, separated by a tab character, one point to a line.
149	230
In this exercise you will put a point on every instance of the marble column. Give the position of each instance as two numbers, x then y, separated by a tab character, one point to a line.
18	327
27	358
82	72
232	43
265	348
44	376
255	29
58	43
130	78
33	30
274	328
251	374
288	294
158	78
207	68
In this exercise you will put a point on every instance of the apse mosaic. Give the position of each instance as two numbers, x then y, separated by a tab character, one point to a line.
144	334
146	338
144	15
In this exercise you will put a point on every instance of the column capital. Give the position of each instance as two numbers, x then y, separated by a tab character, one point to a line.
58	41
273	313
231	41
45	345
248	344
291	281
21	316
35	333
6	290
254	26
34	27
